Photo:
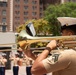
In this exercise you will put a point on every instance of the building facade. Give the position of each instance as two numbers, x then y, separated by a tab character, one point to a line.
64	1
16	12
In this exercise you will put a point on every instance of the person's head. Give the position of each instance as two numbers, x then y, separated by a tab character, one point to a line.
68	30
68	26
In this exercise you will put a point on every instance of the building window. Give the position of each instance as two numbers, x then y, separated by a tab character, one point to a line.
3	4
4	20
26	7
34	7
41	1
25	1
17	6
34	2
34	13
17	1
41	15
17	18
17	12
4	12
0	4
17	23
25	13
41	9
3	28
25	18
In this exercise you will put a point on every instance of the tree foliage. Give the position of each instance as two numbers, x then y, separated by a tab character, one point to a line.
41	26
20	28
62	10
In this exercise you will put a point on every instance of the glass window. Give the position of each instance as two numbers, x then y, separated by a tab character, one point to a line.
17	1
25	18
17	12
41	15
17	18
25	13
3	4
26	7
4	12
3	28
41	9
34	7
25	1
34	13
17	6
34	2
4	20
17	23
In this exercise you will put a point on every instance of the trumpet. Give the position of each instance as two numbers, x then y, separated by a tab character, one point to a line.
63	41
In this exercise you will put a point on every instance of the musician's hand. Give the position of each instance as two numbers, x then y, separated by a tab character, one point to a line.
19	49
27	51
52	44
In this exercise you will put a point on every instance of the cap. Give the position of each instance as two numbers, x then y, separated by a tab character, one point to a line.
68	21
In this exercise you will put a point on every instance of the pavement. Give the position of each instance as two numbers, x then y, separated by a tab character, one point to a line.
22	71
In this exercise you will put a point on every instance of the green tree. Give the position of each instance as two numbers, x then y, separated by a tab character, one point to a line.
20	28
41	26
61	10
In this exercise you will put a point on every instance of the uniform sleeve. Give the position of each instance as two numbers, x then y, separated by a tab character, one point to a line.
56	63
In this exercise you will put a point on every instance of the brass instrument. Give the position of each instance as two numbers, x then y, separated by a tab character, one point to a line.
63	41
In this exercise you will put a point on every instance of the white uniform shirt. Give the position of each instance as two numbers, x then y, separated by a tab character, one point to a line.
63	63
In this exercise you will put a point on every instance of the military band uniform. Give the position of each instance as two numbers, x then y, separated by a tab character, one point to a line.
62	63
15	59
15	66
2	65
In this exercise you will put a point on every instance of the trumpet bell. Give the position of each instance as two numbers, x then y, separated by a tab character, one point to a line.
24	34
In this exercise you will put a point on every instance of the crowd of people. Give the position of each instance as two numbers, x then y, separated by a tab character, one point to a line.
3	61
16	62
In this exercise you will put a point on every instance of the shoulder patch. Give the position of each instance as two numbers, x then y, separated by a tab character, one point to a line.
55	57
